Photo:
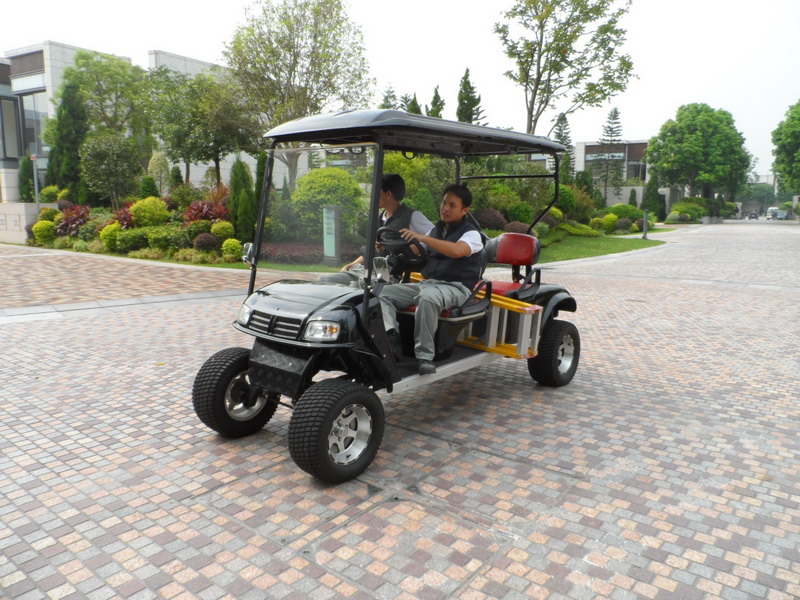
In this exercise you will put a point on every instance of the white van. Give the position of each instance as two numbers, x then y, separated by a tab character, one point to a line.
772	212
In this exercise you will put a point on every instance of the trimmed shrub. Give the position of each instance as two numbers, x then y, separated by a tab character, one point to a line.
108	235
541	230
687	206
206	242
49	193
63	242
90	230
232	246
167	238
148	187
624	224
80	246
195	228
626	211
489	218
319	187
673	217
610	223
579	230
292	253
48	214
566	198
44	232
516	227
149	211
223	230
597	223
196	257
64	194
520	211
556	213
684	218
148	254
131	239
549	221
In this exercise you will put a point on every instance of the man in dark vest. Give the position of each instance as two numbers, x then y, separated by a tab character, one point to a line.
395	215
452	270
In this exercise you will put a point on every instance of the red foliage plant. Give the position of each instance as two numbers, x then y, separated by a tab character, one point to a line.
74	217
124	217
205	211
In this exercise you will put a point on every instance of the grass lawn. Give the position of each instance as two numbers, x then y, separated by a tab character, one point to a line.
582	247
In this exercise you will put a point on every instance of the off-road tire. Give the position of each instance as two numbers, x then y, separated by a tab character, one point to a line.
220	392
558	355
336	429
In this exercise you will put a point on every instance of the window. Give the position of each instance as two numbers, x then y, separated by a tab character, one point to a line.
34	107
9	130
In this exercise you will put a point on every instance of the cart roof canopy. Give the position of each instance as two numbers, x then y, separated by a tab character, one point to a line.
398	130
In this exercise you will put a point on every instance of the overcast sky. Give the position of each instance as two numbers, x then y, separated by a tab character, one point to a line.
736	55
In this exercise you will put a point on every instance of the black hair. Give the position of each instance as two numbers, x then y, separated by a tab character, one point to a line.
392	182
461	191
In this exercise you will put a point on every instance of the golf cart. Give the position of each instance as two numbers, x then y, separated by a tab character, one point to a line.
320	348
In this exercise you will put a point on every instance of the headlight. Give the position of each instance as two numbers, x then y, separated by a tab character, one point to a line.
322	331
244	314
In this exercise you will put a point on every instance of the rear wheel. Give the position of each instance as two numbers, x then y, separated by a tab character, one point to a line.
222	399
335	430
558	354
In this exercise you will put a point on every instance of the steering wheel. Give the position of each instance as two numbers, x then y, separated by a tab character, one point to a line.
400	248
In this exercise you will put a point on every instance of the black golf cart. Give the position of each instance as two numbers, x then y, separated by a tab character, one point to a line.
320	348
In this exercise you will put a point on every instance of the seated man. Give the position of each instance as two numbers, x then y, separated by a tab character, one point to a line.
395	215
453	269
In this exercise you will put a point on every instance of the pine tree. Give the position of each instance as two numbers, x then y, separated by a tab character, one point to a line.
389	99
562	135
175	177
608	166
437	105
410	104
71	127
652	200
241	180
469	103
27	191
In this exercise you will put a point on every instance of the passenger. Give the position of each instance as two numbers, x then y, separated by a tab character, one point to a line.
453	268
395	215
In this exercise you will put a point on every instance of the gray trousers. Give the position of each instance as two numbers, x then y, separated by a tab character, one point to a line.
431	297
350	277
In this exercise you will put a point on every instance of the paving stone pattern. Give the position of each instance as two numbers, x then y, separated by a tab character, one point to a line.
667	469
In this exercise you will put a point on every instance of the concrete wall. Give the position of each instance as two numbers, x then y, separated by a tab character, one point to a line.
9	185
15	216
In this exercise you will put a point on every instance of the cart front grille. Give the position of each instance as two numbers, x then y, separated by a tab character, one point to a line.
277	326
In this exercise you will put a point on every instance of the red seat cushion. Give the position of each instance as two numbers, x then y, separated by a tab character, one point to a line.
518	249
502	288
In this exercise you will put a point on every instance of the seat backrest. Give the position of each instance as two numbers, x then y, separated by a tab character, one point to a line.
518	249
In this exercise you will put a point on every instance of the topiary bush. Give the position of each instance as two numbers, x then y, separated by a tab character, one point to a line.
195	228
48	214
49	193
148	187
80	245
520	211
167	238
516	227
556	213
131	239
223	230
44	232
597	223
673	217
489	218
231	250
206	242
108	235
541	229
626	211
610	223
579	230
319	187
687	206
149	211
624	224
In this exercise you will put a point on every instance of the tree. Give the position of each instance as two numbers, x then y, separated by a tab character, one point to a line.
469	102
653	201
573	53
27	191
241	186
158	169
437	105
786	139
700	149
69	130
113	90
316	189
562	135
110	164
389	99
607	165
295	58
410	104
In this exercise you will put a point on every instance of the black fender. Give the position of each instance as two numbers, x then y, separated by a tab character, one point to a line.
553	298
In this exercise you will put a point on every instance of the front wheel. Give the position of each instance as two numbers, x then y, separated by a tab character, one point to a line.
221	395
558	354
335	430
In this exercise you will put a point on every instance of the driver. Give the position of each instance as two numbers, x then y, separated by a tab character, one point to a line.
453	268
395	215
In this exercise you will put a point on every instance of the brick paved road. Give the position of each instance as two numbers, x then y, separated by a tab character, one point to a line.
667	469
